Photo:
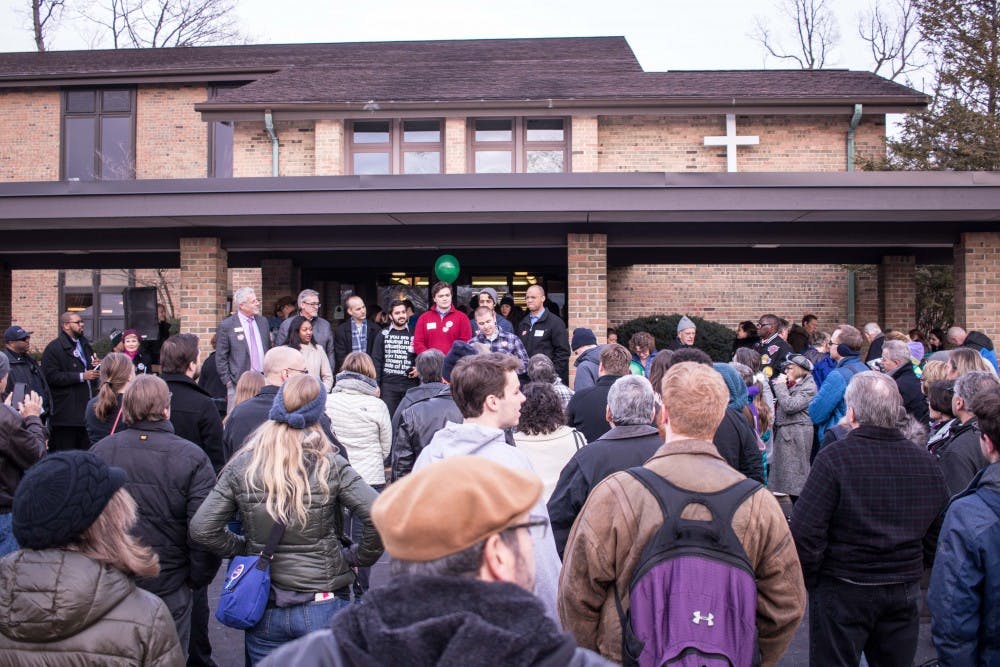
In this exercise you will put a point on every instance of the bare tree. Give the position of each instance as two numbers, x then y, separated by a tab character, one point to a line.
891	30
44	14
164	23
814	27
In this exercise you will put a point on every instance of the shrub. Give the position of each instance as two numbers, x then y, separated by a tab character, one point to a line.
713	338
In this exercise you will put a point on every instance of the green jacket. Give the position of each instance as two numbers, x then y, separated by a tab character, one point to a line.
310	557
60	608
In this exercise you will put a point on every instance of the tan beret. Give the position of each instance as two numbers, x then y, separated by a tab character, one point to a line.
450	506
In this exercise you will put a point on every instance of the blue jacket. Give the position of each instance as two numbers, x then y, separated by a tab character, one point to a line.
964	595
828	407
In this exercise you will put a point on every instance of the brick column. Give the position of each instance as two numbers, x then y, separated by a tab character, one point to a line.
584	138
897	291
203	289
454	146
6	296
977	283
329	160
587	273
277	280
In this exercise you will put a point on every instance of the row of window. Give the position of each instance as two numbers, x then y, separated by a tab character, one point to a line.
99	142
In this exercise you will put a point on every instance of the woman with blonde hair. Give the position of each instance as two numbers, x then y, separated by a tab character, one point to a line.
961	360
249	385
361	422
288	472
104	411
69	595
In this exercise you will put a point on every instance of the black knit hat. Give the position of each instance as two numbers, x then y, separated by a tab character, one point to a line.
459	349
60	497
582	336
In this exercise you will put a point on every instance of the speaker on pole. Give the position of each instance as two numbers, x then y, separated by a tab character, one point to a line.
140	311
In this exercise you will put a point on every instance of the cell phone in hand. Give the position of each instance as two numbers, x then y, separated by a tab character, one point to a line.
17	396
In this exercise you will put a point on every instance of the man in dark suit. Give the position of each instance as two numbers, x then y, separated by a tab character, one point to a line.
70	368
544	333
241	341
357	334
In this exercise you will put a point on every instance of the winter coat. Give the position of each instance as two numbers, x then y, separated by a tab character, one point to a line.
417	426
621	448
169	478
310	557
25	370
22	444
210	382
549	453
739	445
620	518
828	407
964	595
490	443
587	410
318	364
913	396
142	362
793	436
62	369
97	428
587	365
195	417
960	455
361	422
415	395
417	617
547	337
62	609
249	415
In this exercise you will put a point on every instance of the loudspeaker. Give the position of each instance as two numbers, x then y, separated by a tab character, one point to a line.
140	311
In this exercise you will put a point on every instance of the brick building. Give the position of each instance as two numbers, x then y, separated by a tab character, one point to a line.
351	167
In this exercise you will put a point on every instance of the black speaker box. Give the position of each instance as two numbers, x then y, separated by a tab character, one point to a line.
140	311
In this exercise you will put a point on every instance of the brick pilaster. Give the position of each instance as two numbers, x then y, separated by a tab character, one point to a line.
897	290
329	148
6	296
277	280
587	300
454	146
203	289
585	144
977	283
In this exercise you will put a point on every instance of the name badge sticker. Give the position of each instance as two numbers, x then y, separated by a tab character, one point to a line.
432	325
539	333
238	330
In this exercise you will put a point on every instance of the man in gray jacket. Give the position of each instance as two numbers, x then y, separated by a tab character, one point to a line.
322	331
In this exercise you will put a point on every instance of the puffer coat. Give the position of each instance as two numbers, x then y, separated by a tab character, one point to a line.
310	557
60	608
361	422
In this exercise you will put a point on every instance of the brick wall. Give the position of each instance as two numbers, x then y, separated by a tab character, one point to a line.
329	148
29	142
278	279
787	143
296	149
584	135
203	288
171	140
897	288
454	146
6	285
977	282
35	305
239	278
729	293
587	257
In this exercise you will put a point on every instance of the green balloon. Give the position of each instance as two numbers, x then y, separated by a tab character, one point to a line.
446	268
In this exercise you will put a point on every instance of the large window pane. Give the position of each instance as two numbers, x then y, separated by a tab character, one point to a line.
494	130
81	135
371	132
78	278
371	163
114	278
116	100
422	162
494	162
81	101
222	149
112	304
545	161
116	148
422	131
545	129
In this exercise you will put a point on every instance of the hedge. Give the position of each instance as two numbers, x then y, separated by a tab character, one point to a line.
713	338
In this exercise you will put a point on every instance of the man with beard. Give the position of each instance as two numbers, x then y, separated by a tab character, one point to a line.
393	356
70	368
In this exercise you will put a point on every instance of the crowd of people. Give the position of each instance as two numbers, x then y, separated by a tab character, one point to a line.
660	506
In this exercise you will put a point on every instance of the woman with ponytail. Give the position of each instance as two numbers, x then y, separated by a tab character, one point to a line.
104	411
288	472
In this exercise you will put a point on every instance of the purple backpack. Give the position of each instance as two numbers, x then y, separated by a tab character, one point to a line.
693	596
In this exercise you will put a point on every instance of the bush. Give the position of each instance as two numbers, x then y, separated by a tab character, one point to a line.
713	338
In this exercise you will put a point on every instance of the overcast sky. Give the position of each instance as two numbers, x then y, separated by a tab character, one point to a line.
665	34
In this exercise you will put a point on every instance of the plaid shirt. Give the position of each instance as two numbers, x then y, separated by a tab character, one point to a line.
869	502
563	392
507	343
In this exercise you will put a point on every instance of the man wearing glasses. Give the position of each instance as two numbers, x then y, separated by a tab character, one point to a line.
773	349
70	368
487	392
322	331
461	541
23	367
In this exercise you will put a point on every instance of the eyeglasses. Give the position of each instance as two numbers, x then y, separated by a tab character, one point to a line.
314	304
538	526
762	325
302	371
75	322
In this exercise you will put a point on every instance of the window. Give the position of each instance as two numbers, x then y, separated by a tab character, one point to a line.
97	297
99	134
522	145
395	146
220	139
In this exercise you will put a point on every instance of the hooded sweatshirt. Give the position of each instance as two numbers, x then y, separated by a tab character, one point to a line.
490	443
587	368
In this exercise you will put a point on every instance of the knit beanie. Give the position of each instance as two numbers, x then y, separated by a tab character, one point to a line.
60	497
581	337
304	416
458	351
738	396
685	324
492	292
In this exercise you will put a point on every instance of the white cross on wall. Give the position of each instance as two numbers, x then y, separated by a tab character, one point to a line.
731	141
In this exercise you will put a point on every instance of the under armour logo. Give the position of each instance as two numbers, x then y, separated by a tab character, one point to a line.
698	618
